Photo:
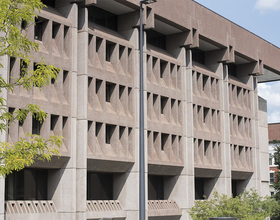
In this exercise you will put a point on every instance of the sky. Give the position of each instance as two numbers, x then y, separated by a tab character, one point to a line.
262	17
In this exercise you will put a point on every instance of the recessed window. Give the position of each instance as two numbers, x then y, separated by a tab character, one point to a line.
164	138
23	24
110	87
163	65
156	39
36	125
39	29
232	69
155	187
54	119
97	128
109	50
100	186
49	3
27	184
163	102
103	18
110	129
198	55
55	29
271	175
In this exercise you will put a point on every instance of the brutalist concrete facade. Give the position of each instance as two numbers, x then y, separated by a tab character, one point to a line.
204	128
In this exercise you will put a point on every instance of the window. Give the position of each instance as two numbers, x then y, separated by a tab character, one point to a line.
271	159
100	186
156	39
271	178
163	65
54	119
49	3
155	187
36	125
39	29
164	138
110	87
27	184
232	70
55	29
110	129
103	18
198	55
109	50
163	102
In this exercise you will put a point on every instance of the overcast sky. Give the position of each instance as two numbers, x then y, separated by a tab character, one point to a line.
262	17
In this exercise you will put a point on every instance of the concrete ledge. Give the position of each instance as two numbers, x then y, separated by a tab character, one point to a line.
163	208
14	207
111	209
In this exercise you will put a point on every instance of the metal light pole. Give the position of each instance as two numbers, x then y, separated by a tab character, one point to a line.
142	208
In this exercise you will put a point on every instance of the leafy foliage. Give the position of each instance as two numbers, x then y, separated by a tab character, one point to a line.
276	184
247	206
14	43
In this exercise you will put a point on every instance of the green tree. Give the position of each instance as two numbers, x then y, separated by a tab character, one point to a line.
276	184
14	14
247	206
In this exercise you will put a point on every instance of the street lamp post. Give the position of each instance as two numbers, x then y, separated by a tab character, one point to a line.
141	120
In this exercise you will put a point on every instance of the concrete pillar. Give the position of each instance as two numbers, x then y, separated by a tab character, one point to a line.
82	123
189	147
4	71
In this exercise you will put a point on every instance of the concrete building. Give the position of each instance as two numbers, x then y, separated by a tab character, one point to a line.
205	126
273	135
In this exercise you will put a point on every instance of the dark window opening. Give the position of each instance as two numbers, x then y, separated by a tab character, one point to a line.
199	189
156	39
155	187
54	119
121	51
36	125
97	85
98	44
164	138
121	91
49	3
55	29
23	24
121	132
109	50
163	65
163	102
198	55
204	79
206	147
103	18
27	184
110	129
39	29
100	186
232	69
205	114
97	128
110	87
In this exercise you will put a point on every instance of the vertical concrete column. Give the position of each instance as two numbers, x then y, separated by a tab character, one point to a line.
188	172
225	183
128	183
4	71
82	123
63	182
254	182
